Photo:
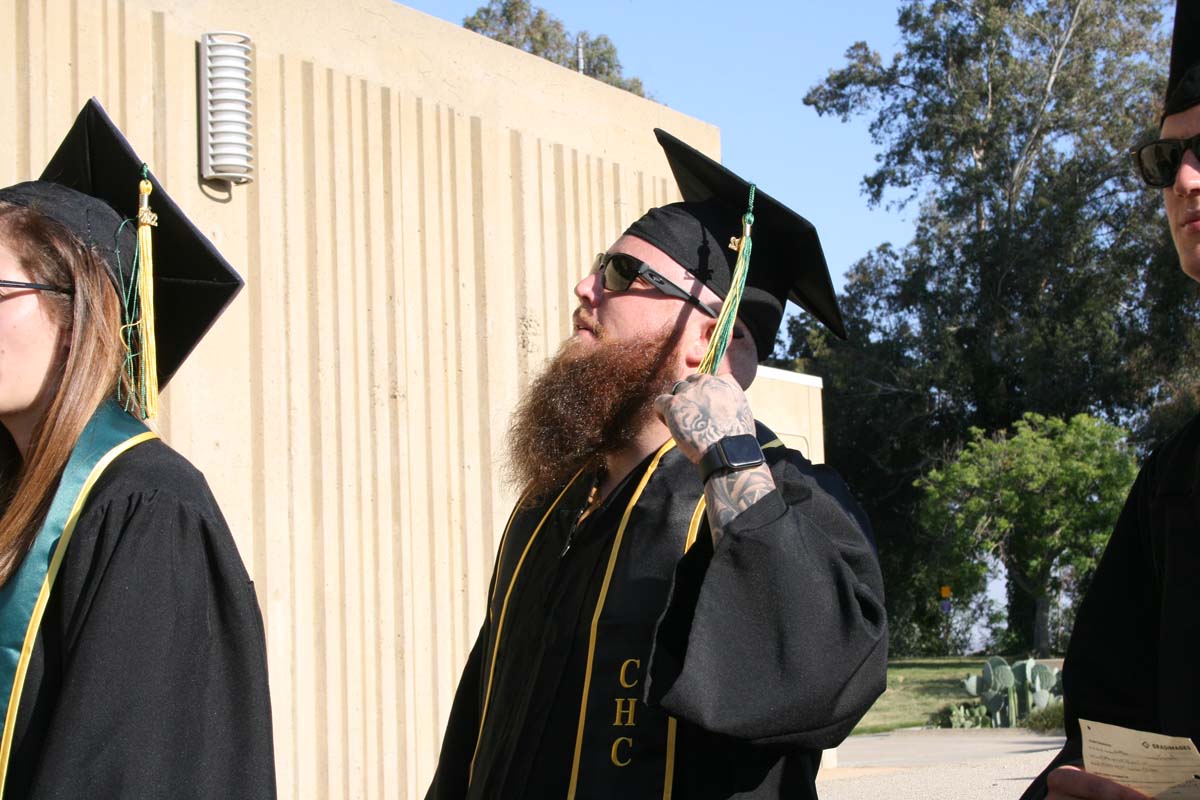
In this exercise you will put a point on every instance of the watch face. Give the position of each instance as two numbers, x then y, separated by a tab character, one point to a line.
742	451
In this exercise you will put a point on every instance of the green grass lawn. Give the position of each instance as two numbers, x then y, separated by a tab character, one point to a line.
915	689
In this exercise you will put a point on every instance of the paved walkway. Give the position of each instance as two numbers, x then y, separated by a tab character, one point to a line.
959	764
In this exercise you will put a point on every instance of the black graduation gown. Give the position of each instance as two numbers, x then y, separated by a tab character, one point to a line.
1133	655
149	677
620	669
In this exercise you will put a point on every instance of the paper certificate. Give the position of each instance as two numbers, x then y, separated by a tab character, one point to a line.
1156	765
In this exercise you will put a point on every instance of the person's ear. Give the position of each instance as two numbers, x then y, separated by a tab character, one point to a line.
62	335
698	344
742	356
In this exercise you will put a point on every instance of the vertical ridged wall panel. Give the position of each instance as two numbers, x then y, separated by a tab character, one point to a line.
409	255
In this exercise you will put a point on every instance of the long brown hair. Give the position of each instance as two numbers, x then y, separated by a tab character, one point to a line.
90	319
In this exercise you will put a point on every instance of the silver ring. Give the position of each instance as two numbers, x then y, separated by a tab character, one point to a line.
675	388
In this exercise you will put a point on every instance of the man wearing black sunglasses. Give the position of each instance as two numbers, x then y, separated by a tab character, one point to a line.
681	605
1142	611
1172	163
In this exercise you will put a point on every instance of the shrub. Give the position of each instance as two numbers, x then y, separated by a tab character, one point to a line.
1046	720
967	715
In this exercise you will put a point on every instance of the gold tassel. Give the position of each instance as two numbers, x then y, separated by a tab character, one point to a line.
148	360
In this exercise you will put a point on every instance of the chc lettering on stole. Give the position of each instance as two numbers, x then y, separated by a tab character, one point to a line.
626	712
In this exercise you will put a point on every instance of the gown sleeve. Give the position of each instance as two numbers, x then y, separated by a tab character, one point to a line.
1118	615
163	678
780	635
462	730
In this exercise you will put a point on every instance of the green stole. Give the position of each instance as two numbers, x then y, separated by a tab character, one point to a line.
23	598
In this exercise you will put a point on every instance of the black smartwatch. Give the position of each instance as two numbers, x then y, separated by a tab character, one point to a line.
731	453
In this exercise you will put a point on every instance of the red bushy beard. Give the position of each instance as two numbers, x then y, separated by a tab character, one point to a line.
588	402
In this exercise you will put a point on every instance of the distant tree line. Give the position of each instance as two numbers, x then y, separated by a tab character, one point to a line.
520	24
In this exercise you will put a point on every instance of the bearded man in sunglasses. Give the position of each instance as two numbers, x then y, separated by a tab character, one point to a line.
1135	649
681	606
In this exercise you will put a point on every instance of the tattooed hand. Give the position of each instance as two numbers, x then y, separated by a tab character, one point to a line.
701	410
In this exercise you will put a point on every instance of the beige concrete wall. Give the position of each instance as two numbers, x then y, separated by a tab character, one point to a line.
424	200
790	404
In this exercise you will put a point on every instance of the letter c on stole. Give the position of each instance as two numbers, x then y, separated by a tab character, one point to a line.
637	665
616	758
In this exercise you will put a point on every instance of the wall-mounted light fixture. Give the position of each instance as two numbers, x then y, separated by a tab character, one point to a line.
226	107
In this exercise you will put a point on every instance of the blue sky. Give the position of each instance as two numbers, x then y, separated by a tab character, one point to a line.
745	67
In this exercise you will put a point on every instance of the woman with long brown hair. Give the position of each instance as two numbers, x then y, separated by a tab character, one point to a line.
132	657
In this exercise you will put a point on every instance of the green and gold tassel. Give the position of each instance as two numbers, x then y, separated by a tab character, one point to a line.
140	372
148	361
728	317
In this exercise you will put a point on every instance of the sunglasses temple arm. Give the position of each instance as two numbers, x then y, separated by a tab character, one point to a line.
696	301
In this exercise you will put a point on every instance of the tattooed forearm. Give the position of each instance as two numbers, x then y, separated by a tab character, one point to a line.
729	494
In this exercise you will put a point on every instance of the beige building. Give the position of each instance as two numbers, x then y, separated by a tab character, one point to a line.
424	199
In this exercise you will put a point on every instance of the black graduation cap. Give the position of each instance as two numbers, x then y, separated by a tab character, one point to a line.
91	187
786	262
1183	81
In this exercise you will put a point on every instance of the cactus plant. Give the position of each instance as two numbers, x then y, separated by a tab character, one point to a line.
1023	676
969	716
1002	678
1042	677
995	702
1009	694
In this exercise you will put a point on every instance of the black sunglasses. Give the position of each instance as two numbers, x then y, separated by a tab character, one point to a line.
1158	161
618	271
45	287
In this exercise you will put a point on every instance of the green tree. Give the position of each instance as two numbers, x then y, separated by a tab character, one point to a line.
600	61
1041	501
519	24
1040	276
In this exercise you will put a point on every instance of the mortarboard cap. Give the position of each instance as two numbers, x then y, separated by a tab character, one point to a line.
1183	81
787	262
90	186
